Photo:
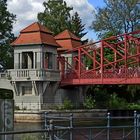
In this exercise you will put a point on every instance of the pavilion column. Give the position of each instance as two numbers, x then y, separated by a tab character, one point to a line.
16	61
20	61
34	60
39	60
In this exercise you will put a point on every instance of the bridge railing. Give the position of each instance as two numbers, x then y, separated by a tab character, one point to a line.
129	72
70	127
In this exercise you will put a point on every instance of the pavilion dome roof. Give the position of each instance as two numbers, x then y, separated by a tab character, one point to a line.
35	34
67	40
66	34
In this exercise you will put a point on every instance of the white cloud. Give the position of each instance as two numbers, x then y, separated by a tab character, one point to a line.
26	11
84	9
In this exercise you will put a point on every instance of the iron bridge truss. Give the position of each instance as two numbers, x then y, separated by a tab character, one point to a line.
115	60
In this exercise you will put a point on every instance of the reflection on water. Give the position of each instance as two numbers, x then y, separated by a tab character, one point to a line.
26	127
78	134
35	136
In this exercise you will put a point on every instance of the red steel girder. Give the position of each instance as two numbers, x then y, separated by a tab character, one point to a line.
101	67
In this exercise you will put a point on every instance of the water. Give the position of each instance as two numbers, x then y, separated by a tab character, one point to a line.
26	127
78	134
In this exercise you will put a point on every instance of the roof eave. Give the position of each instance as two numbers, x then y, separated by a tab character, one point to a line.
31	44
67	39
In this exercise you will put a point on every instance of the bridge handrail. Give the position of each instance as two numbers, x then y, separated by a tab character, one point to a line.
108	73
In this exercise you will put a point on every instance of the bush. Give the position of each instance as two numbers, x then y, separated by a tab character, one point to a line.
89	102
6	94
67	104
117	103
102	99
133	106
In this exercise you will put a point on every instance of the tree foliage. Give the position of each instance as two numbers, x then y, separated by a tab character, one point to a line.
117	103
57	17
6	94
89	102
77	26
118	16
6	26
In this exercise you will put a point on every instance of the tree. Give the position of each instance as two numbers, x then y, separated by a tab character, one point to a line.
118	16
6	26
57	17
133	90
77	26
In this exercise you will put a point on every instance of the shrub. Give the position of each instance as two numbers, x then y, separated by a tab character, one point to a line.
102	99
67	104
134	106
6	94
89	102
117	103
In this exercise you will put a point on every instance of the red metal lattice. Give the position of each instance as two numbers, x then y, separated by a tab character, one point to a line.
115	60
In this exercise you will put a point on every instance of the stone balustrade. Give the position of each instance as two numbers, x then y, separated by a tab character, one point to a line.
33	74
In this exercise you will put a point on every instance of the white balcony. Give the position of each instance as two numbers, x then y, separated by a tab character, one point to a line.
33	75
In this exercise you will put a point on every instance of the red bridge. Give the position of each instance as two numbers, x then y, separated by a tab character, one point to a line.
115	60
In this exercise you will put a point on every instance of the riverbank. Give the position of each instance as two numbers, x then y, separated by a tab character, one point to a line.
38	116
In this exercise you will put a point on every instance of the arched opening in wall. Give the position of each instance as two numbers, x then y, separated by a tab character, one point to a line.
6	94
27	60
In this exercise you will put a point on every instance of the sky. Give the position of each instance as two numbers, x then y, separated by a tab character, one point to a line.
26	13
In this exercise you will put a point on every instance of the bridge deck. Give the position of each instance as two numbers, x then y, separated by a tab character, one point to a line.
97	81
89	77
